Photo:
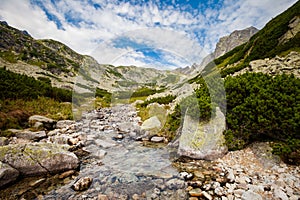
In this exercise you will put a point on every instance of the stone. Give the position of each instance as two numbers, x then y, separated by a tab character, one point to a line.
28	135
175	184
66	174
206	195
196	192
157	139
186	175
47	122
203	141
7	174
82	184
279	194
64	123
251	195
4	141
102	197
36	183
230	176
193	198
38	158
152	123
135	197
105	144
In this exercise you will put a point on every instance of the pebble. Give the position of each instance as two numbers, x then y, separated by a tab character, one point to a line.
82	184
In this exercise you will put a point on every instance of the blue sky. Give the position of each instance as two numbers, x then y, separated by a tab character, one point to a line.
162	34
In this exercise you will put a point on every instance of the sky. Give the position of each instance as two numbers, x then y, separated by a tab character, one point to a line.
163	34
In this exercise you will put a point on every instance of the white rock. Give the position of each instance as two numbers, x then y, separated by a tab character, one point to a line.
251	195
279	194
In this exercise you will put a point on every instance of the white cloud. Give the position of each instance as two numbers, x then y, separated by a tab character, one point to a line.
179	33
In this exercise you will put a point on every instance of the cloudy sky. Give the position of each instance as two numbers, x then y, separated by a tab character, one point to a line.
159	33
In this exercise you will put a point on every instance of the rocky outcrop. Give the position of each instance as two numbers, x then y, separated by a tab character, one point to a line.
227	43
294	28
7	174
38	158
235	39
38	121
289	64
203	141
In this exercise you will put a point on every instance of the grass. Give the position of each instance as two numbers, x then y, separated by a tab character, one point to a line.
15	113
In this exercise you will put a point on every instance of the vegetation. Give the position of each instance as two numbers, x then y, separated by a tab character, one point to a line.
103	98
22	96
261	108
17	86
264	44
14	113
160	100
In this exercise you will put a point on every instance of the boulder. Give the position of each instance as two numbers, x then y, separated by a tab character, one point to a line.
7	174
203	141
151	124
4	141
38	158
47	122
28	135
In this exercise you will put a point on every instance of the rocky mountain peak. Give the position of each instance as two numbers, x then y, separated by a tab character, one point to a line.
233	40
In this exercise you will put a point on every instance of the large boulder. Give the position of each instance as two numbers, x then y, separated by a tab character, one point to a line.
152	123
7	174
29	135
203	140
38	158
37	120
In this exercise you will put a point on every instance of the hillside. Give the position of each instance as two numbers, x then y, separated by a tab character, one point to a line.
21	53
279	37
261	79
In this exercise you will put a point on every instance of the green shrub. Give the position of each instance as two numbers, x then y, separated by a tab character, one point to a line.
262	108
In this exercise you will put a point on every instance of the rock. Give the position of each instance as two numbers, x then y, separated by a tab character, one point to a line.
175	184
3	141
151	124
28	135
203	141
279	194
64	123
36	183
206	195
47	122
66	174
186	175
38	158
157	139
82	184
230	176
7	174
105	144
103	197
251	195
195	192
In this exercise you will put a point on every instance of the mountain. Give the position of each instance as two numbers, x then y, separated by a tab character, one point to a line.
229	42
21	53
224	45
279	37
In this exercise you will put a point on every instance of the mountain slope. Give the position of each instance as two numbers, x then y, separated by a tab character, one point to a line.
279	37
21	53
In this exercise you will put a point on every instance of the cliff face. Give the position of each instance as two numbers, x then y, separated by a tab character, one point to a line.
233	40
227	43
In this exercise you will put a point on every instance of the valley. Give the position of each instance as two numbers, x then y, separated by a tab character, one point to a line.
226	128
